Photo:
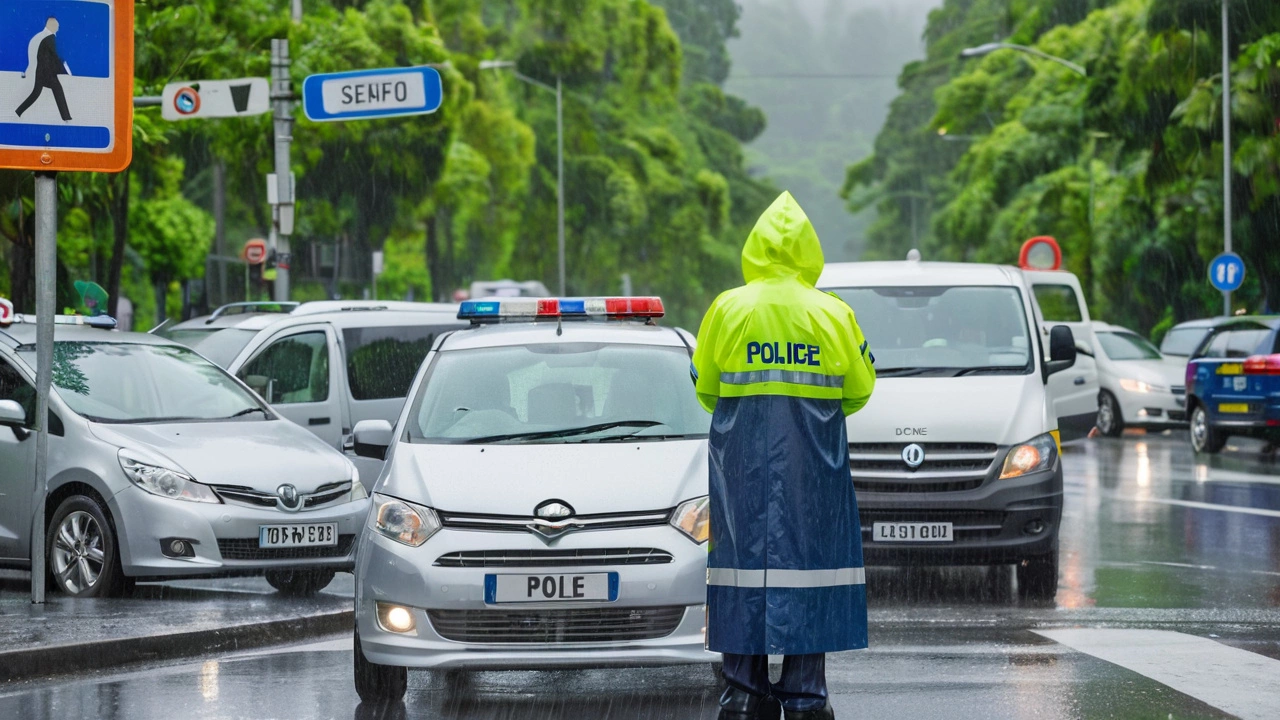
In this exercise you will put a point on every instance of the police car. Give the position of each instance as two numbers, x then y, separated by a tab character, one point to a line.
1233	382
955	459
543	501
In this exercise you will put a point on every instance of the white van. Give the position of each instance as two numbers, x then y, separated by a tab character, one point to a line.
956	457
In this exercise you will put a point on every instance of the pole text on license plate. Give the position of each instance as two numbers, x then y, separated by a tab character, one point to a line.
911	532
551	587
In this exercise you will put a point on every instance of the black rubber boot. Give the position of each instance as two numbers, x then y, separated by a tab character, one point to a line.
738	704
822	713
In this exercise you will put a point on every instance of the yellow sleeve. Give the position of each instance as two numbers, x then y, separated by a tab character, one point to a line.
861	378
706	373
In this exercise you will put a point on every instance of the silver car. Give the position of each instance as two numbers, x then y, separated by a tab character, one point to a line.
544	501
162	465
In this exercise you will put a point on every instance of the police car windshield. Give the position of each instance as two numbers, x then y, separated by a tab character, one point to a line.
134	383
932	331
558	393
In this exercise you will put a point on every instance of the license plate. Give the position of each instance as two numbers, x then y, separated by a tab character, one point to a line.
553	587
912	532
1230	369
1233	408
300	535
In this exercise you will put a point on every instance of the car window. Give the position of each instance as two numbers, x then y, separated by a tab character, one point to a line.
15	387
382	361
480	393
292	369
1127	346
1244	343
220	345
1182	341
1216	346
136	383
1058	303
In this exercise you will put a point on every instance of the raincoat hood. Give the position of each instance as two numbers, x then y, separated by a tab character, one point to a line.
783	243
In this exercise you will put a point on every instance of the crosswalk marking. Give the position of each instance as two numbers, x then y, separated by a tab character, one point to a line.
1236	681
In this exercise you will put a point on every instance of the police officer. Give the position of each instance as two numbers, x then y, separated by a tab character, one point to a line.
780	364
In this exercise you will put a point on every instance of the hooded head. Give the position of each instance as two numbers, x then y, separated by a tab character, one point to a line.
783	243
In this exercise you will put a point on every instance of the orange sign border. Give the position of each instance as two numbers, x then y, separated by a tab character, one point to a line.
77	160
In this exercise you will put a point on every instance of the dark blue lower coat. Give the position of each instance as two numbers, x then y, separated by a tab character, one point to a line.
782	499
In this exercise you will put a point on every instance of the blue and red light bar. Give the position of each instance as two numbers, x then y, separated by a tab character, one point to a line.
527	309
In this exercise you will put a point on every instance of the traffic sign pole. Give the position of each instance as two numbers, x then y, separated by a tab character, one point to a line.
46	275
282	212
1226	143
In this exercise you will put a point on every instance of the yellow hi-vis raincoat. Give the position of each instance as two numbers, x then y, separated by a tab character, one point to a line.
780	364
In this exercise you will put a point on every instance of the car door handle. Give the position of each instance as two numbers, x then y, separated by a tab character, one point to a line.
311	422
1079	381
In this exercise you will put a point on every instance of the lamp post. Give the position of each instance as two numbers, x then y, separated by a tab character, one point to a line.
989	48
508	65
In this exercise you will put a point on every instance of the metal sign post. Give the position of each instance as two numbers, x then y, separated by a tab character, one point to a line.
46	277
282	210
1226	143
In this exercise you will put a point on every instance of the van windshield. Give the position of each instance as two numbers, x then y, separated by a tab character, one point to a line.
932	331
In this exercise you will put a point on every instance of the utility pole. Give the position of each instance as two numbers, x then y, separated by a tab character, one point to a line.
46	296
1226	142
282	198
560	181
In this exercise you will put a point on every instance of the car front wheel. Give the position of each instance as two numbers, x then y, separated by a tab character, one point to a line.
1205	438
81	549
378	684
1110	419
299	583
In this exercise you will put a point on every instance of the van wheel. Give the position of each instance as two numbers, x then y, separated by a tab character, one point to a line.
1110	419
1038	578
378	684
81	550
299	583
1205	438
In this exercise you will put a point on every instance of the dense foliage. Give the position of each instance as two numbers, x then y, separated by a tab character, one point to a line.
654	176
1124	167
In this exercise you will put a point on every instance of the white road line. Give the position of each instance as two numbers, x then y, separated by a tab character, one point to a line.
1236	681
1199	505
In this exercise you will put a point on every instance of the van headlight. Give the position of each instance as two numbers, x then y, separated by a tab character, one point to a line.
404	522
1032	456
156	477
693	518
357	488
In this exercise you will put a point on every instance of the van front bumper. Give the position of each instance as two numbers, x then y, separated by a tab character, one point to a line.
1002	521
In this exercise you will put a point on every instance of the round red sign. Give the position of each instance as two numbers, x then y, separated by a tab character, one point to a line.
254	252
1040	253
6	312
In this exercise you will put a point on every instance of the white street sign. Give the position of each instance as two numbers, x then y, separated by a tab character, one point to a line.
215	99
362	94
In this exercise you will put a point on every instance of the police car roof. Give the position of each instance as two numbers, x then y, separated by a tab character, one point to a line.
619	332
908	273
20	334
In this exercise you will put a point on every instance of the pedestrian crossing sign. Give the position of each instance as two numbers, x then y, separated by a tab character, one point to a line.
66	85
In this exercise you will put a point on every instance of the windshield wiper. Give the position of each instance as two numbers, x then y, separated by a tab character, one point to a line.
567	432
907	371
994	369
246	411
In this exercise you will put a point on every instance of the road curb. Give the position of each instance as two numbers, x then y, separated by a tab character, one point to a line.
53	660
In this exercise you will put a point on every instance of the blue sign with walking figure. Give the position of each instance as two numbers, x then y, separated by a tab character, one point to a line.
66	67
1226	272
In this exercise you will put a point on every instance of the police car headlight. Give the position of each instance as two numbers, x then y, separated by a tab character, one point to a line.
1033	456
693	518
152	475
403	521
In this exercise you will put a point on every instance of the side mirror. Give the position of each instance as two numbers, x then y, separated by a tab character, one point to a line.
12	414
372	438
1062	350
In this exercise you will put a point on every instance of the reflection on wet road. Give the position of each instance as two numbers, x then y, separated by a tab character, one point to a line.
1168	560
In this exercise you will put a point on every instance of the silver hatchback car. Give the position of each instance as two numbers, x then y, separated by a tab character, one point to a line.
162	465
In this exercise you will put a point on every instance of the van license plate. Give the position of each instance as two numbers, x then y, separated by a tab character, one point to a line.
310	535
1233	408
553	587
912	532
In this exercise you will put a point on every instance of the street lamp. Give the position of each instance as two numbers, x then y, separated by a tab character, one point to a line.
508	65
989	48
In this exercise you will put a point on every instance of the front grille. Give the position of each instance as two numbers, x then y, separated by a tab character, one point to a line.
554	558
587	625
947	467
247	549
1179	389
321	496
526	523
1177	415
965	524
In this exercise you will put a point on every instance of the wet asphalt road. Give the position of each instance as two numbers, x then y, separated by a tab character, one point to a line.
1168	606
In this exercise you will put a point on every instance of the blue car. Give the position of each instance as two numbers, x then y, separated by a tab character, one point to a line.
1233	383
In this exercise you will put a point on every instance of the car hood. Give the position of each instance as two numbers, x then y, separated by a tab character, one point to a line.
513	479
1002	409
256	454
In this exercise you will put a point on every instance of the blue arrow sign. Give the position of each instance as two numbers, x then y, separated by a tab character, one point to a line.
1226	272
362	94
